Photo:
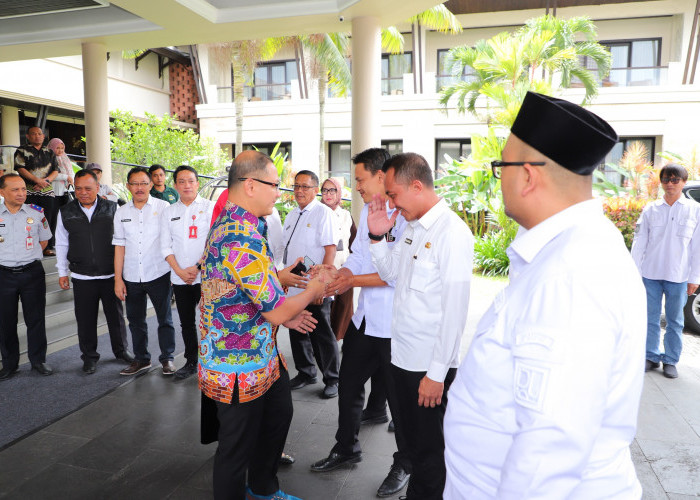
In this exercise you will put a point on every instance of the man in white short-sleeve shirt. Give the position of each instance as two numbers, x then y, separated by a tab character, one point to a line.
184	229
141	272
308	232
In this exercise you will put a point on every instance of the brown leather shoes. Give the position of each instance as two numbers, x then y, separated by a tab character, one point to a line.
168	367
136	367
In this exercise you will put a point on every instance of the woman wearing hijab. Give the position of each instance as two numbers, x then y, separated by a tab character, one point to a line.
60	186
331	196
64	179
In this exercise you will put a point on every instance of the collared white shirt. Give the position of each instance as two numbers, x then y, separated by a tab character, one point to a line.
274	236
342	220
138	231
375	303
545	403
62	247
667	241
306	232
432	266
175	233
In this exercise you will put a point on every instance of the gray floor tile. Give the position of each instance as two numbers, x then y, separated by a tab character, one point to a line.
664	422
675	464
201	479
184	493
92	420
60	481
364	481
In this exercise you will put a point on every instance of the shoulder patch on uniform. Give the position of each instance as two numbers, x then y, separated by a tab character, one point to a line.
37	208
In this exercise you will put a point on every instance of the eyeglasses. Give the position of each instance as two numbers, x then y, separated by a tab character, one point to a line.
672	180
302	187
498	164
275	185
328	190
139	184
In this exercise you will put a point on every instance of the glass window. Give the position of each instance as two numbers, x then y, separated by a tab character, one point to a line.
454	148
267	147
444	78
393	147
394	66
340	158
634	62
272	81
615	155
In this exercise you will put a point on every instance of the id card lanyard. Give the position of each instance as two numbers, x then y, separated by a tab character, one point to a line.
193	229
29	242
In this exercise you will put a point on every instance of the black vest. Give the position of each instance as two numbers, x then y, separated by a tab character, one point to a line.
90	250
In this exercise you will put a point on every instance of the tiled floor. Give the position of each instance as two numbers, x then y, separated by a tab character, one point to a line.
142	441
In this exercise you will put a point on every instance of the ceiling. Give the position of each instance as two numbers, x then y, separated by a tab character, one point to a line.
31	29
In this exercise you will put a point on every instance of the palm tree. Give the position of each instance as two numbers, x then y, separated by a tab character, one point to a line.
541	56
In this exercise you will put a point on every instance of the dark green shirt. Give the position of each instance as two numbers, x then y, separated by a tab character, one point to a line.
169	194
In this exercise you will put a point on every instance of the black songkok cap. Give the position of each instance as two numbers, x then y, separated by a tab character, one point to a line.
575	138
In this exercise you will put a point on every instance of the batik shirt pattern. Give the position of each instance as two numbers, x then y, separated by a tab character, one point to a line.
239	283
38	162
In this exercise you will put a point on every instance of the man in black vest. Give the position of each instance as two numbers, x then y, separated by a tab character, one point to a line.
84	246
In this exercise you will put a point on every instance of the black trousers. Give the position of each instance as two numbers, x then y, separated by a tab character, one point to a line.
50	206
376	401
186	299
423	430
251	438
319	344
87	295
29	286
363	356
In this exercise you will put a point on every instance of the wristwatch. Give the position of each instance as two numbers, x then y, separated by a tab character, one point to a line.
374	237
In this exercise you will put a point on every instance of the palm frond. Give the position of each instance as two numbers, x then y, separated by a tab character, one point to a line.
392	40
438	18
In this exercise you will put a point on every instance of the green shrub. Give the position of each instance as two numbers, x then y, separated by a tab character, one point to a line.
490	257
624	213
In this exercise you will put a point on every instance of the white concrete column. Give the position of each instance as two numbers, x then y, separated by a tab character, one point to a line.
9	134
366	92
97	108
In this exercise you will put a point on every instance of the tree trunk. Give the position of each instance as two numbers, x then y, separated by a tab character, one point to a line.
239	100
322	91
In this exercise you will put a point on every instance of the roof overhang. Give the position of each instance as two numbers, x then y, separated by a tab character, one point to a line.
59	29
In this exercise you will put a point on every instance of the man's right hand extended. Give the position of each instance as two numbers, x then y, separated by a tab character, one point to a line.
288	278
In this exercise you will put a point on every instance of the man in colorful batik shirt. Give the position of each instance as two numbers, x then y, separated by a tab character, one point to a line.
241	371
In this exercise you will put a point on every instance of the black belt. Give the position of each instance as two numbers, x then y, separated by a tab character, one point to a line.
18	269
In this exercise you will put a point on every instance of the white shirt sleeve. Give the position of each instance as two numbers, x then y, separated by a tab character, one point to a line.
641	238
456	257
327	234
166	239
274	236
386	261
563	362
61	247
694	276
119	238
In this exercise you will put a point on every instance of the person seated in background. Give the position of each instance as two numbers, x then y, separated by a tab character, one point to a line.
159	189
105	192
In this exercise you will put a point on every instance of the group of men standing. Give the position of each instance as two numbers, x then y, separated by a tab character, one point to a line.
141	250
522	421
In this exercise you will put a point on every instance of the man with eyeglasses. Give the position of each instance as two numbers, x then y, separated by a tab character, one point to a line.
308	232
184	228
666	249
544	405
141	272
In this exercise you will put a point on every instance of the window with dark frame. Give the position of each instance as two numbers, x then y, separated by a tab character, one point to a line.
272	81
454	148
394	66
266	148
443	77
615	155
634	63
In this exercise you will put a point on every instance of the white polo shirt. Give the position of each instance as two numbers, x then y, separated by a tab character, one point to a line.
432	266
306	232
175	237
138	231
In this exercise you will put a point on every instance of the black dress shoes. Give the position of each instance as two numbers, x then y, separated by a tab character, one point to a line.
301	381
89	366
186	371
330	391
125	356
43	369
7	372
371	417
335	460
395	481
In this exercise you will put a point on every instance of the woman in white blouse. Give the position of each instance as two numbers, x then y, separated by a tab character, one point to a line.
331	196
64	179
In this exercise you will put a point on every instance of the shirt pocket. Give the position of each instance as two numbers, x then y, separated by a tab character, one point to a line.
423	274
686	227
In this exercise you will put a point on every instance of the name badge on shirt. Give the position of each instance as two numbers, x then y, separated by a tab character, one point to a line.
175	218
339	246
126	220
408	240
29	241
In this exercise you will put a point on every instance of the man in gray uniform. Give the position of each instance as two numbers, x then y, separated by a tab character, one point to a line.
24	233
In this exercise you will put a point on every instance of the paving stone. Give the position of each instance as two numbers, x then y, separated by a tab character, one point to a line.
60	481
664	422
676	465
